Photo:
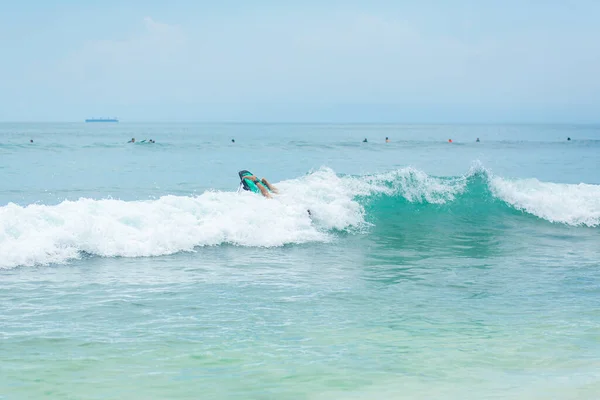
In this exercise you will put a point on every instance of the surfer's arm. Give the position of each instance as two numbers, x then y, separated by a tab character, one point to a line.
251	178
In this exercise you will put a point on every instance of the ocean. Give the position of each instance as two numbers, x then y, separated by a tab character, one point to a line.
425	269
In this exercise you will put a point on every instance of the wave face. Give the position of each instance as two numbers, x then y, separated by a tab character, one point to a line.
42	235
481	191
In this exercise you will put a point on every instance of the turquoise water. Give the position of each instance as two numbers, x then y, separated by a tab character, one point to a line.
426	269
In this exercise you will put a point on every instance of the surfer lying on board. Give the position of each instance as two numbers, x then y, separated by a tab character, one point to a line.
253	184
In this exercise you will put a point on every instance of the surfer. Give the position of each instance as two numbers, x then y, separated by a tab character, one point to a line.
365	141
253	184
250	181
132	140
387	139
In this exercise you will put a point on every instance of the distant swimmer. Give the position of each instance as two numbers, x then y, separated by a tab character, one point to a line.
30	140
568	138
477	140
387	139
151	141
232	140
132	140
449	140
252	183
365	141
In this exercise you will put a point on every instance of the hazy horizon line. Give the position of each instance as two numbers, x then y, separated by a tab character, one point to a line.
297	122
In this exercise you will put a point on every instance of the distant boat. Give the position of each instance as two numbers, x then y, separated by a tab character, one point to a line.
102	120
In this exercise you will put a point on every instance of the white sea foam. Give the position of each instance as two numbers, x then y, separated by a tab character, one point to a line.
555	202
41	234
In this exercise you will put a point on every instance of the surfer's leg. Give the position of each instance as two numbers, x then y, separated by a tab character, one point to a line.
271	187
263	190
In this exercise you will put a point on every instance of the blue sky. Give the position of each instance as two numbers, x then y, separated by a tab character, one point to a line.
339	61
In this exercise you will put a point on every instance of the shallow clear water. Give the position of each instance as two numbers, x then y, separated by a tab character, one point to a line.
427	269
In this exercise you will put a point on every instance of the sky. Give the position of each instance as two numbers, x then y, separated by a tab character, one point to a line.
460	61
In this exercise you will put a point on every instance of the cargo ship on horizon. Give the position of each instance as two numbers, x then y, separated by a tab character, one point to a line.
102	120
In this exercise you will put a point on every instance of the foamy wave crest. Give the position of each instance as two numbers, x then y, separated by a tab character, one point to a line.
41	235
555	202
410	183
